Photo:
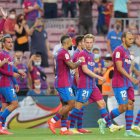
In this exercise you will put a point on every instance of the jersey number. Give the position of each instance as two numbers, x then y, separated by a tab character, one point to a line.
85	94
13	91
123	94
70	90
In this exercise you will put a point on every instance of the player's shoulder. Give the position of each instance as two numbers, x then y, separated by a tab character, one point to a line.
61	52
119	48
82	52
2	53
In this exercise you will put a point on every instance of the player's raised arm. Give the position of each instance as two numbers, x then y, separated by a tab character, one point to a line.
66	42
76	64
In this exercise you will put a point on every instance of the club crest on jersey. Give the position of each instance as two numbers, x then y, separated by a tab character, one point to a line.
118	54
67	56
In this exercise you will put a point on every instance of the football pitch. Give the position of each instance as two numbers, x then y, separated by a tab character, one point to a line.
45	134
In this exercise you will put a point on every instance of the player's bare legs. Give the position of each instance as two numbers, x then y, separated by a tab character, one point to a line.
62	114
66	108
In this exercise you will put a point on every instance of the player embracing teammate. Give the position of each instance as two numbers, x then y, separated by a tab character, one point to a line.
87	89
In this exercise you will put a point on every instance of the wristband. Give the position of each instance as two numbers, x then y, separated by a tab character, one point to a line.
79	61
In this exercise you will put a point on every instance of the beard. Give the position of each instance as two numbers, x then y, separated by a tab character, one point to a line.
70	48
129	45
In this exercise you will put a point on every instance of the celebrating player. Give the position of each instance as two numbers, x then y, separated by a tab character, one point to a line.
63	84
87	89
6	82
80	46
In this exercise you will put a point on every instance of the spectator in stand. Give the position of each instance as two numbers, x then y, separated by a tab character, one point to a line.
2	21
39	42
1	38
85	16
121	9
135	48
36	91
31	10
22	81
101	25
107	85
72	33
99	65
114	37
56	48
10	22
108	13
69	6
37	72
41	11
50	8
22	31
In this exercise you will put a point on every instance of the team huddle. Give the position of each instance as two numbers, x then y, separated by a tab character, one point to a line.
76	93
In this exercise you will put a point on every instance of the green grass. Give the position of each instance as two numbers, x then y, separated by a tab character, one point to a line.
45	134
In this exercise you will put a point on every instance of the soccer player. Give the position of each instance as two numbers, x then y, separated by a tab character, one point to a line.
135	126
80	46
87	89
122	82
6	83
63	84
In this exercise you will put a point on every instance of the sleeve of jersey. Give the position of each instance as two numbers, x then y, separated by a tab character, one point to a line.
118	55
2	71
15	69
14	81
82	54
66	57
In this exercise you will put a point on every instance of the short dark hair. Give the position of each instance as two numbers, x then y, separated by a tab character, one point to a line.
63	38
6	36
108	58
38	54
104	1
19	18
12	10
78	39
95	49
